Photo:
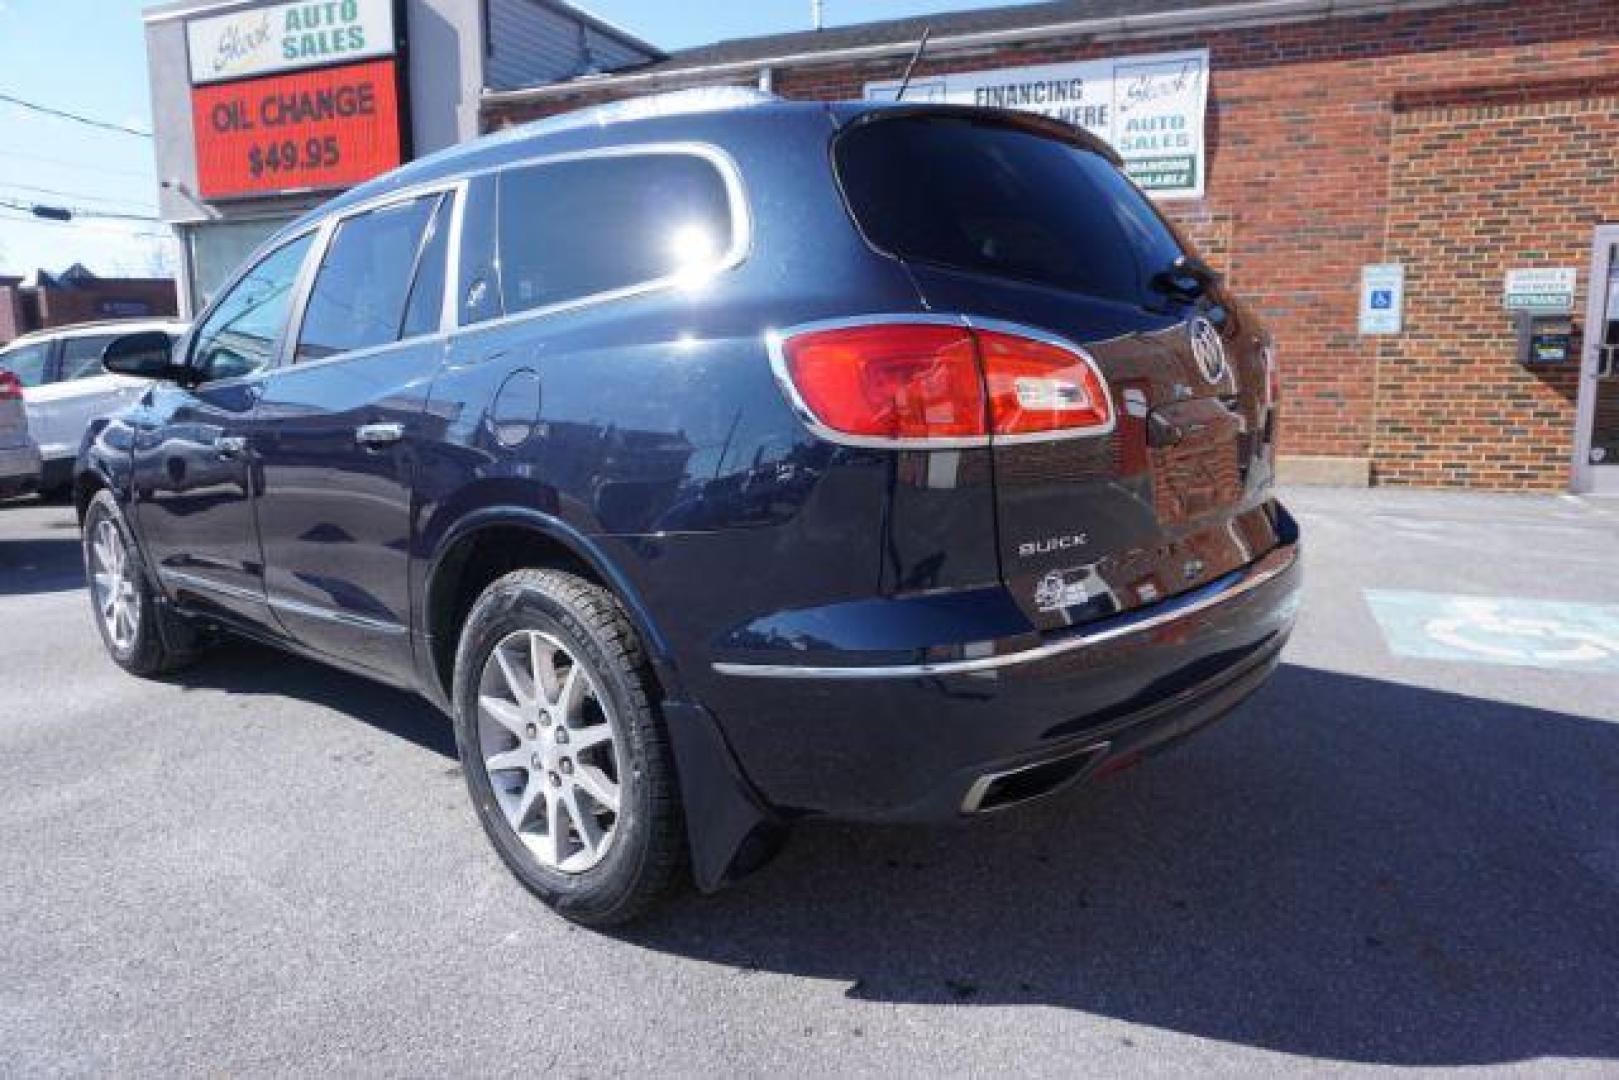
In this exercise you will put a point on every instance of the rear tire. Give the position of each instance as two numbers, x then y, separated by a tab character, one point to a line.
566	759
131	620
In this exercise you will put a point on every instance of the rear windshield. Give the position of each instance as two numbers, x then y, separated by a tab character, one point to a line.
987	197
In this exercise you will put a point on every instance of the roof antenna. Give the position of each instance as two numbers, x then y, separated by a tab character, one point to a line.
921	47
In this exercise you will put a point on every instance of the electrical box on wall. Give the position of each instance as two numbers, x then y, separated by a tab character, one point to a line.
1544	338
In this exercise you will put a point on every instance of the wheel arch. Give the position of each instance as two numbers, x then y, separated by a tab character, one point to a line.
493	540
731	830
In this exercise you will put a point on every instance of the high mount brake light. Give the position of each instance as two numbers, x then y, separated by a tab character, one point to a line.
941	384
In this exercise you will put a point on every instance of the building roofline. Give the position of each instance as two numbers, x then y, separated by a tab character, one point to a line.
606	26
1234	15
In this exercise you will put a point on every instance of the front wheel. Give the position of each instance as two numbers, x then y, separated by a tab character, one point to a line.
565	757
126	610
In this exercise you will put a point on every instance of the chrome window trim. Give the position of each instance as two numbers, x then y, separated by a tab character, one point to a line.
1268	569
328	232
775	341
735	254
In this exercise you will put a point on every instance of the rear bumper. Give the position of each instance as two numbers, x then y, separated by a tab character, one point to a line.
925	739
19	470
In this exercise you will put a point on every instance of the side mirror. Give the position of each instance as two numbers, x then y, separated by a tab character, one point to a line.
147	355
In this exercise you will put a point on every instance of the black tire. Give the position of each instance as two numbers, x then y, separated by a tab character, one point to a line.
150	650
647	856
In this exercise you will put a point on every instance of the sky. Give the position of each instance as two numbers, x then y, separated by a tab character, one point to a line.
89	57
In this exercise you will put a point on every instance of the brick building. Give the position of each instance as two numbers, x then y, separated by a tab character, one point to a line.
1461	141
76	296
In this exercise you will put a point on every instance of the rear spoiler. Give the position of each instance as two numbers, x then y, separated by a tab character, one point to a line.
854	113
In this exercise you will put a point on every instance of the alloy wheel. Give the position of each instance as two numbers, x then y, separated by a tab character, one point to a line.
551	751
113	580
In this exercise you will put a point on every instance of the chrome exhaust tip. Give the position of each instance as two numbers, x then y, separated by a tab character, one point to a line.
1011	787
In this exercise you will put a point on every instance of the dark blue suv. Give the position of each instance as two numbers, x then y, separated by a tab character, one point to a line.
714	461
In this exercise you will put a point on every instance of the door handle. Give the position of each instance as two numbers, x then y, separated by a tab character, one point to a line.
376	436
230	446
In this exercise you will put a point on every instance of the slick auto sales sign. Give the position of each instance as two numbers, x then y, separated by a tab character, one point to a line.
288	37
309	130
1149	108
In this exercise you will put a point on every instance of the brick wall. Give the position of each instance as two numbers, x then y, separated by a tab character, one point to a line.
1525	183
1320	136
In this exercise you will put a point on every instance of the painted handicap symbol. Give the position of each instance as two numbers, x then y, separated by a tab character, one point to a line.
1509	631
1479	626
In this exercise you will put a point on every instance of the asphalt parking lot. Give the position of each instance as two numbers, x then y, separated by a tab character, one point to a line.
1404	852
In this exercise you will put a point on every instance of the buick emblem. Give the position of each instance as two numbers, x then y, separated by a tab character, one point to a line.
1207	349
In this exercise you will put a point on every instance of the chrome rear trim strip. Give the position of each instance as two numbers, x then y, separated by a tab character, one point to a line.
1267	569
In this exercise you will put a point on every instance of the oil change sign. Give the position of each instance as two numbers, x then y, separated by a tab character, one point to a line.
288	37
1149	108
308	130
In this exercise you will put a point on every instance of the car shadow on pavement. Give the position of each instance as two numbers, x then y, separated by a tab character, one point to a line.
33	566
235	666
1347	869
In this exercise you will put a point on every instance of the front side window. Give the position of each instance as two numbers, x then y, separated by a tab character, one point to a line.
575	229
27	362
239	336
360	296
81	356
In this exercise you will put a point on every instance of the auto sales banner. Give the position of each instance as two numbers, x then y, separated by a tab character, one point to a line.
287	37
1149	108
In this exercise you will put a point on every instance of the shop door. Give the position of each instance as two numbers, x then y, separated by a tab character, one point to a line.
1596	443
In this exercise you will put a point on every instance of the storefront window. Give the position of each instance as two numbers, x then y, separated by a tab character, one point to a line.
216	249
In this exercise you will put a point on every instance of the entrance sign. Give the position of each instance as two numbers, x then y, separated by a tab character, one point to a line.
1149	108
1549	290
288	37
318	129
1382	299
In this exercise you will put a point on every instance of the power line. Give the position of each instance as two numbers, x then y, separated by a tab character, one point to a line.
79	165
77	212
76	195
28	213
62	114
109	230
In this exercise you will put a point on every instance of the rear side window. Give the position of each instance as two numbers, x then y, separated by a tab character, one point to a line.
81	356
996	199
27	362
365	281
575	229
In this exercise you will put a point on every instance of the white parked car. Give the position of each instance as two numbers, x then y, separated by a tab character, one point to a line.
65	386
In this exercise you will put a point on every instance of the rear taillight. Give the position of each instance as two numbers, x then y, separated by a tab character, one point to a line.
941	384
10	387
1273	374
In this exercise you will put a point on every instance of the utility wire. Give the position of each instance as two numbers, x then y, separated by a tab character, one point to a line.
79	165
77	212
112	230
77	195
62	114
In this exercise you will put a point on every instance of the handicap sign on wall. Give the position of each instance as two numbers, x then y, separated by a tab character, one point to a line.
1499	630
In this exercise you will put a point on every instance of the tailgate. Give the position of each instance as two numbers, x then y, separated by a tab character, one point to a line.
1007	220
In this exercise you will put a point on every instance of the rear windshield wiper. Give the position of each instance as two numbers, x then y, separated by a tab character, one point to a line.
1186	278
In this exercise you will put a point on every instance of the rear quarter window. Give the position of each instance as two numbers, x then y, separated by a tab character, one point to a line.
574	229
988	197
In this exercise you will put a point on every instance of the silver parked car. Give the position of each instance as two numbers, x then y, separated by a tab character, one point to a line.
19	457
65	386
